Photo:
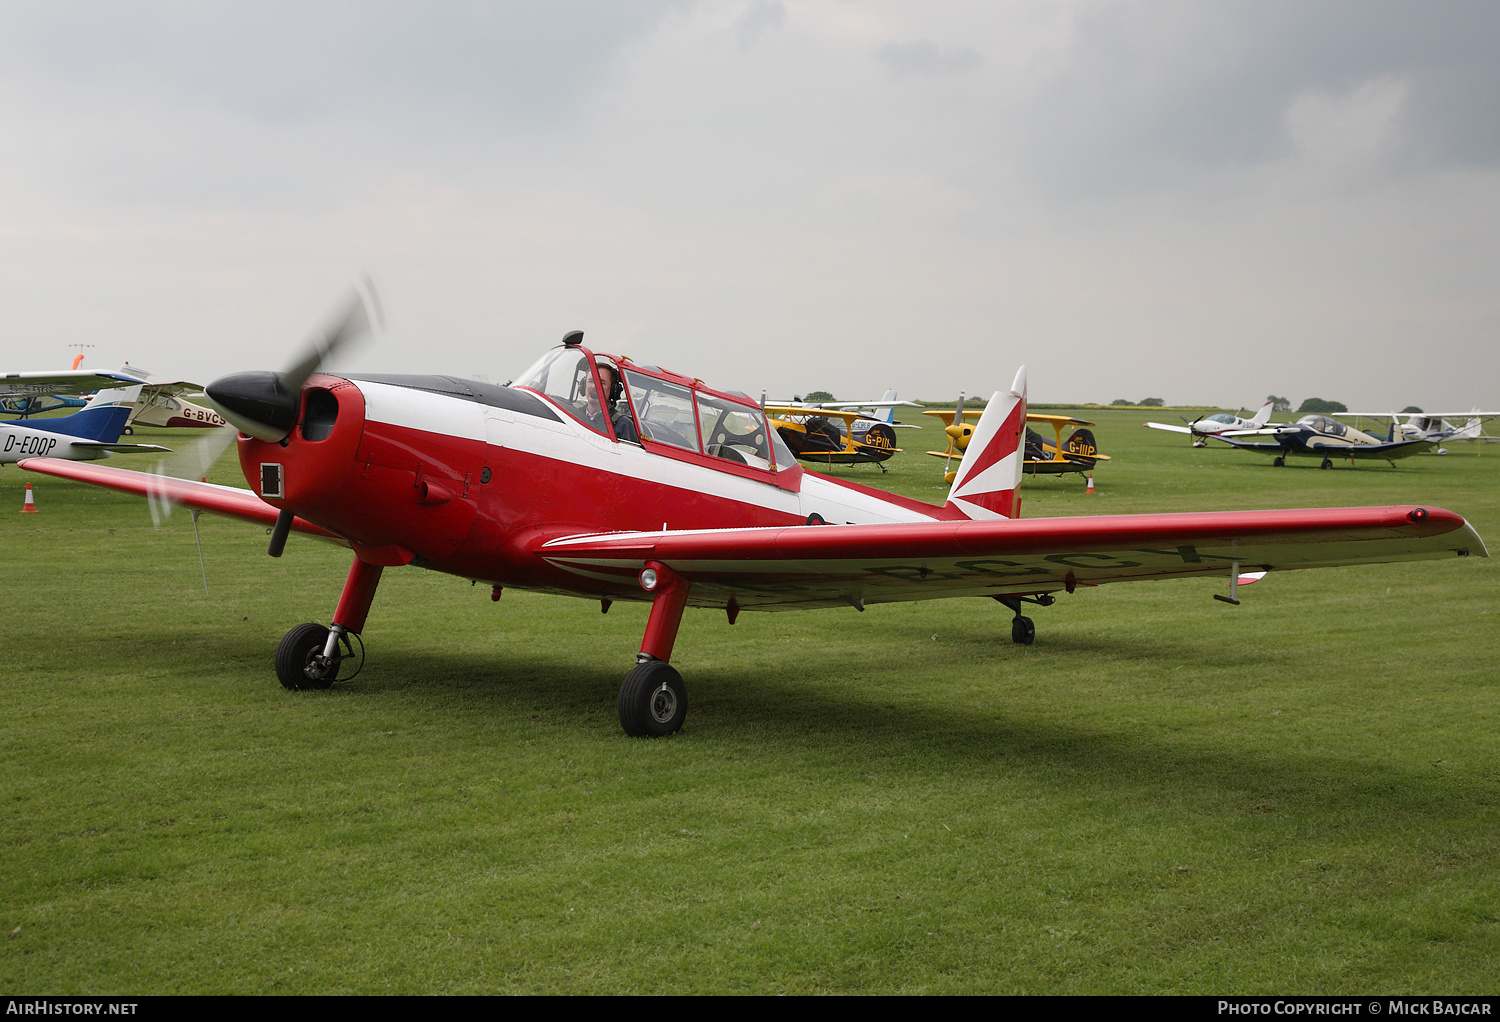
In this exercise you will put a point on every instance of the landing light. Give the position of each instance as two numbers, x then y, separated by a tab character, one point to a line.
648	579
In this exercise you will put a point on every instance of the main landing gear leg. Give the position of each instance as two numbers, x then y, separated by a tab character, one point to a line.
653	701
1022	629
309	655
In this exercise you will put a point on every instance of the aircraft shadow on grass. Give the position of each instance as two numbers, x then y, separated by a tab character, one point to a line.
964	742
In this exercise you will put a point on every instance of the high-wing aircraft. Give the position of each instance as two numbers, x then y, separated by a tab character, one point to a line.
596	476
161	405
1432	426
91	433
36	404
63	381
27	394
813	435
1079	453
1319	436
1222	424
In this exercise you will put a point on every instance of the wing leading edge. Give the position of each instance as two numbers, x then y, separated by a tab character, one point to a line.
786	568
230	501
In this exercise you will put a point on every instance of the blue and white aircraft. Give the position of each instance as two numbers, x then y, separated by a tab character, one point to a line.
1325	438
38	403
91	433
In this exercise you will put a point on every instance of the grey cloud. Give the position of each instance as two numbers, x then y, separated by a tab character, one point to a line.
759	17
1145	94
286	61
925	57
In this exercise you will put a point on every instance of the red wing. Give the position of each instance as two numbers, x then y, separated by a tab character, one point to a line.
230	501
829	565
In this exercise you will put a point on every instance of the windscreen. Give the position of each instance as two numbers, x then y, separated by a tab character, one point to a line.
564	375
663	410
734	432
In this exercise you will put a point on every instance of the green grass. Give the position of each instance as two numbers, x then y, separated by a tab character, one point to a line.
1163	794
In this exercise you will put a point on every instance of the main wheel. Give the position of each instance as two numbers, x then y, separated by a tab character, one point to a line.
1022	630
1327	463
653	701
295	667
1278	461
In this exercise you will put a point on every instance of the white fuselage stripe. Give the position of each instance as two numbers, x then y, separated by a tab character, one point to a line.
574	443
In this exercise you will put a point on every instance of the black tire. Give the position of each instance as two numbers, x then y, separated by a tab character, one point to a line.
294	658
1326	464
1278	462
128	431
653	700
1022	630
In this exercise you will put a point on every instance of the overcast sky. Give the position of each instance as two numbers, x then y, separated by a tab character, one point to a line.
1199	201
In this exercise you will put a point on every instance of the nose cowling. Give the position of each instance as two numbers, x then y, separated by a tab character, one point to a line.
257	404
311	466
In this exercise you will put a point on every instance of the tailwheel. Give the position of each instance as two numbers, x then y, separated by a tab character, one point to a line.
1022	630
653	700
299	659
1278	461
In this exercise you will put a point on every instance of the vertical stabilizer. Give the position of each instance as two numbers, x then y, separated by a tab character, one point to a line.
985	486
1263	416
101	420
887	415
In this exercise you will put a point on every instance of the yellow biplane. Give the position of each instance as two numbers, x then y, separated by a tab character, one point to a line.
815	435
1078	453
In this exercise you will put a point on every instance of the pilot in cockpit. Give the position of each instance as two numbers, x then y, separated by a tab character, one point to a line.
619	417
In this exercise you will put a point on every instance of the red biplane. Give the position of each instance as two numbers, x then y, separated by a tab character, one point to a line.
593	475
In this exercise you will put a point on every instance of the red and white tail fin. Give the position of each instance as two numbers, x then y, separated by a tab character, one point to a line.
985	486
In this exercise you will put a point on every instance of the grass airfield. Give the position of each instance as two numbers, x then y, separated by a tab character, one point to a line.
1163	794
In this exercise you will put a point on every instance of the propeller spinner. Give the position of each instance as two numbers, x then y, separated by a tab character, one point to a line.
265	404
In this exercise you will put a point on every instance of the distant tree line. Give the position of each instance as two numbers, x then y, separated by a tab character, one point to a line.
1312	406
1145	402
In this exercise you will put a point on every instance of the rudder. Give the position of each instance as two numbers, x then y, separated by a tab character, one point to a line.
985	486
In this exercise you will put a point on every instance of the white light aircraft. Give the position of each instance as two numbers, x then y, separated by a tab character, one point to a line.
1432	425
1223	424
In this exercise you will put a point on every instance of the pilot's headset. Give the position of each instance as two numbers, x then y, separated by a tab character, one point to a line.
616	387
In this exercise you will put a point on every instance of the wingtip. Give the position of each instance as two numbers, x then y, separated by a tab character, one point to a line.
1018	388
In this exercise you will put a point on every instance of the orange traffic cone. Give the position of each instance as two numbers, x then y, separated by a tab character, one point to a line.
1091	484
29	508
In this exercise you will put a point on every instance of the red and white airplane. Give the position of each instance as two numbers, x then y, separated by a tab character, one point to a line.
677	493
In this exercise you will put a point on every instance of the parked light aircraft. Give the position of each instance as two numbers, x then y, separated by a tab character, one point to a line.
1221	424
675	493
160	405
1432	426
814	436
883	410
91	433
36	404
1079	453
27	394
1319	436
